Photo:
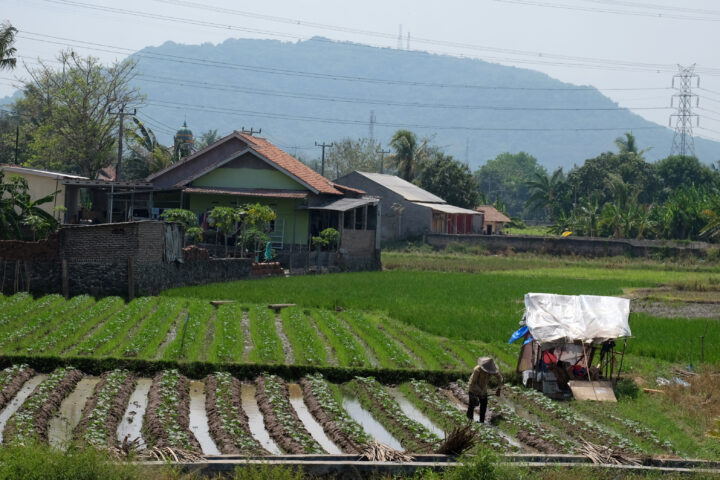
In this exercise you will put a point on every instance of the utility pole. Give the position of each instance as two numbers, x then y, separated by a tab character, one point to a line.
122	113
322	164
683	143
382	159
372	127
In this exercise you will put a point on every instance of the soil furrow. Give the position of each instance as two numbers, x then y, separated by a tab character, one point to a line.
282	435
330	355
287	347
531	439
116	412
331	428
174	436
47	409
14	386
224	439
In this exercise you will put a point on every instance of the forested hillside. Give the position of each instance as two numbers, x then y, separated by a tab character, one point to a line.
322	90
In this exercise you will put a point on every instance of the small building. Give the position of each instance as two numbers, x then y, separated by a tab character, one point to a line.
409	211
42	183
241	168
493	219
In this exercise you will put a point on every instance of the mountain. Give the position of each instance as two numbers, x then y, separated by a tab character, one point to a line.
319	90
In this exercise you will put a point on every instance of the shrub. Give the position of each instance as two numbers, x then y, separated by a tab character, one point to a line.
626	388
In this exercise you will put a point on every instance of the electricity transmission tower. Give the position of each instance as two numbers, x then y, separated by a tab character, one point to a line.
683	143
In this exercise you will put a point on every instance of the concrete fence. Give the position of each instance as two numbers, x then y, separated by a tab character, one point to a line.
583	246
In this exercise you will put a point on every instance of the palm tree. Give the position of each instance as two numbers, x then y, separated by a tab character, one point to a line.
407	153
7	38
629	145
544	191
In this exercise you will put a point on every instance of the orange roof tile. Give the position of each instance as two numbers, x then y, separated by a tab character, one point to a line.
290	164
492	214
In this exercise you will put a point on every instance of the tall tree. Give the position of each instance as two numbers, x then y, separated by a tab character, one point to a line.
74	129
450	180
407	153
348	155
206	139
545	192
680	171
505	178
147	155
7	51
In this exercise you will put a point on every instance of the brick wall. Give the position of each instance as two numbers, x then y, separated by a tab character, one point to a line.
141	241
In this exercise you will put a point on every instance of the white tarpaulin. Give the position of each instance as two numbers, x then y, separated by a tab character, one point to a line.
565	318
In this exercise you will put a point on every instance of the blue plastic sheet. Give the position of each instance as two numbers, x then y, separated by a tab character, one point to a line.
519	333
529	339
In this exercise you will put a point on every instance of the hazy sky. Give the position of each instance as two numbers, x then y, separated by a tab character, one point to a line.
611	44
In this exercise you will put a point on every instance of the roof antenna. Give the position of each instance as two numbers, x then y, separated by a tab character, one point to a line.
251	131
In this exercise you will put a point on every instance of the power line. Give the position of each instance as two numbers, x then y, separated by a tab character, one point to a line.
538	57
278	71
246	113
356	100
635	13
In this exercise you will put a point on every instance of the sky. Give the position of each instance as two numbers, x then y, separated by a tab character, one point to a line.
629	49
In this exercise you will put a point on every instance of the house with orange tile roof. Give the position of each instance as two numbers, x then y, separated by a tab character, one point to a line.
243	168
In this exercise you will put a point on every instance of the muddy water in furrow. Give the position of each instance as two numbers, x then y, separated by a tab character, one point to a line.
131	422
19	399
257	427
312	426
371	426
414	414
198	419
61	426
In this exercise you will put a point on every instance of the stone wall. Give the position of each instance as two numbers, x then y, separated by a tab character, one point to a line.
141	241
584	246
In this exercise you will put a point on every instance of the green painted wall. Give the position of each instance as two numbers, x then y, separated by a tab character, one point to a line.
247	178
286	209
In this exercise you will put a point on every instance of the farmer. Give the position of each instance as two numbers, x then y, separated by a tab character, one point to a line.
477	386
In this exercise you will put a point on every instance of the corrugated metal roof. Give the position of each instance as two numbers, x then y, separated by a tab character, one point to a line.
407	190
343	204
445	208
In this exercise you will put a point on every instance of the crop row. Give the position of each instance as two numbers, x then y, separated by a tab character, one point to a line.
104	409
439	408
178	329
31	420
228	422
570	421
412	435
281	420
543	425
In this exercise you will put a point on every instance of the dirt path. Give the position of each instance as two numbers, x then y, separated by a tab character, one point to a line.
246	335
287	347
171	335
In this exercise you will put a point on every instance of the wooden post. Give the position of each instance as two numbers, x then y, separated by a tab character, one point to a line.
131	278
16	284
65	282
27	275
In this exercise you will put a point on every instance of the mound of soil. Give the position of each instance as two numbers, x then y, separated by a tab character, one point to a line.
116	412
277	431
331	428
12	388
52	403
222	438
153	428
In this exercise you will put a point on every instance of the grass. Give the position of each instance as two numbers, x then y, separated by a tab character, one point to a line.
227	343
267	347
